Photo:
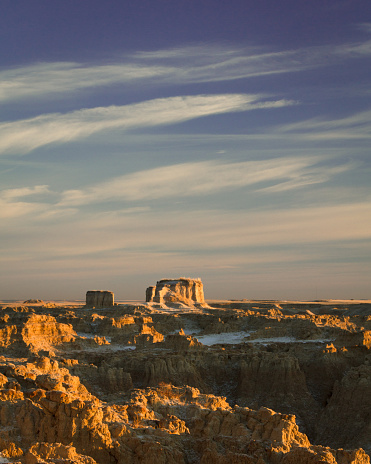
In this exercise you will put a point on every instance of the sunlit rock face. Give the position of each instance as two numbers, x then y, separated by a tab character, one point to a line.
99	299
235	382
183	290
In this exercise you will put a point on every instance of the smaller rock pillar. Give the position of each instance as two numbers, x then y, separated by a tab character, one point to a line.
150	293
99	299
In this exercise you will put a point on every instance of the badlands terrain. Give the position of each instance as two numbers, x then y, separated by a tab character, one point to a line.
182	380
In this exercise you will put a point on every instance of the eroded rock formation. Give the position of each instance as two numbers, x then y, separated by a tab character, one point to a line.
234	382
99	299
171	291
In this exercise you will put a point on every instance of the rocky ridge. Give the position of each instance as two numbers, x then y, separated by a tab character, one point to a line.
243	382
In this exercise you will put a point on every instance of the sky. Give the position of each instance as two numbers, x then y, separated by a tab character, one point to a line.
224	140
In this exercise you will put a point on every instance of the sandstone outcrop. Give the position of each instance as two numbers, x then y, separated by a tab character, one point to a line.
181	342
99	299
33	333
275	380
51	453
171	291
351	397
238	382
359	338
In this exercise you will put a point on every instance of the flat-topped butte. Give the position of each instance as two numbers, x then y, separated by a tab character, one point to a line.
184	290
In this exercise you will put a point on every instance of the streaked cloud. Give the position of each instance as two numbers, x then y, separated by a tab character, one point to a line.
249	199
13	202
92	245
56	78
206	177
308	176
203	229
193	179
366	27
357	125
187	64
19	208
25	135
10	194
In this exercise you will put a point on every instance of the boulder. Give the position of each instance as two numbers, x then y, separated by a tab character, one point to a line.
99	299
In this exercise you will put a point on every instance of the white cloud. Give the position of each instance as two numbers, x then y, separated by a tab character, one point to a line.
16	209
354	50
366	27
12	207
198	52
25	135
92	246
175	181
55	78
193	179
217	64
189	64
10	194
356	126
190	231
310	176
205	230
206	177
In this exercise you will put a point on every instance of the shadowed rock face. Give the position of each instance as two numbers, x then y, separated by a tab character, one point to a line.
182	290
99	299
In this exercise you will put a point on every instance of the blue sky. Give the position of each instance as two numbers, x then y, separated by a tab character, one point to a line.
223	140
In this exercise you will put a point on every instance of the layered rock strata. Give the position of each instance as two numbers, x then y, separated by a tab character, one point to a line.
99	299
186	291
244	382
58	421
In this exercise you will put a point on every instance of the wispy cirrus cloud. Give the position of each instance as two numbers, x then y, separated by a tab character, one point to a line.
357	125
309	176
57	78
23	201
203	229
192	179
15	193
205	63
188	64
366	27
15	209
25	135
205	178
